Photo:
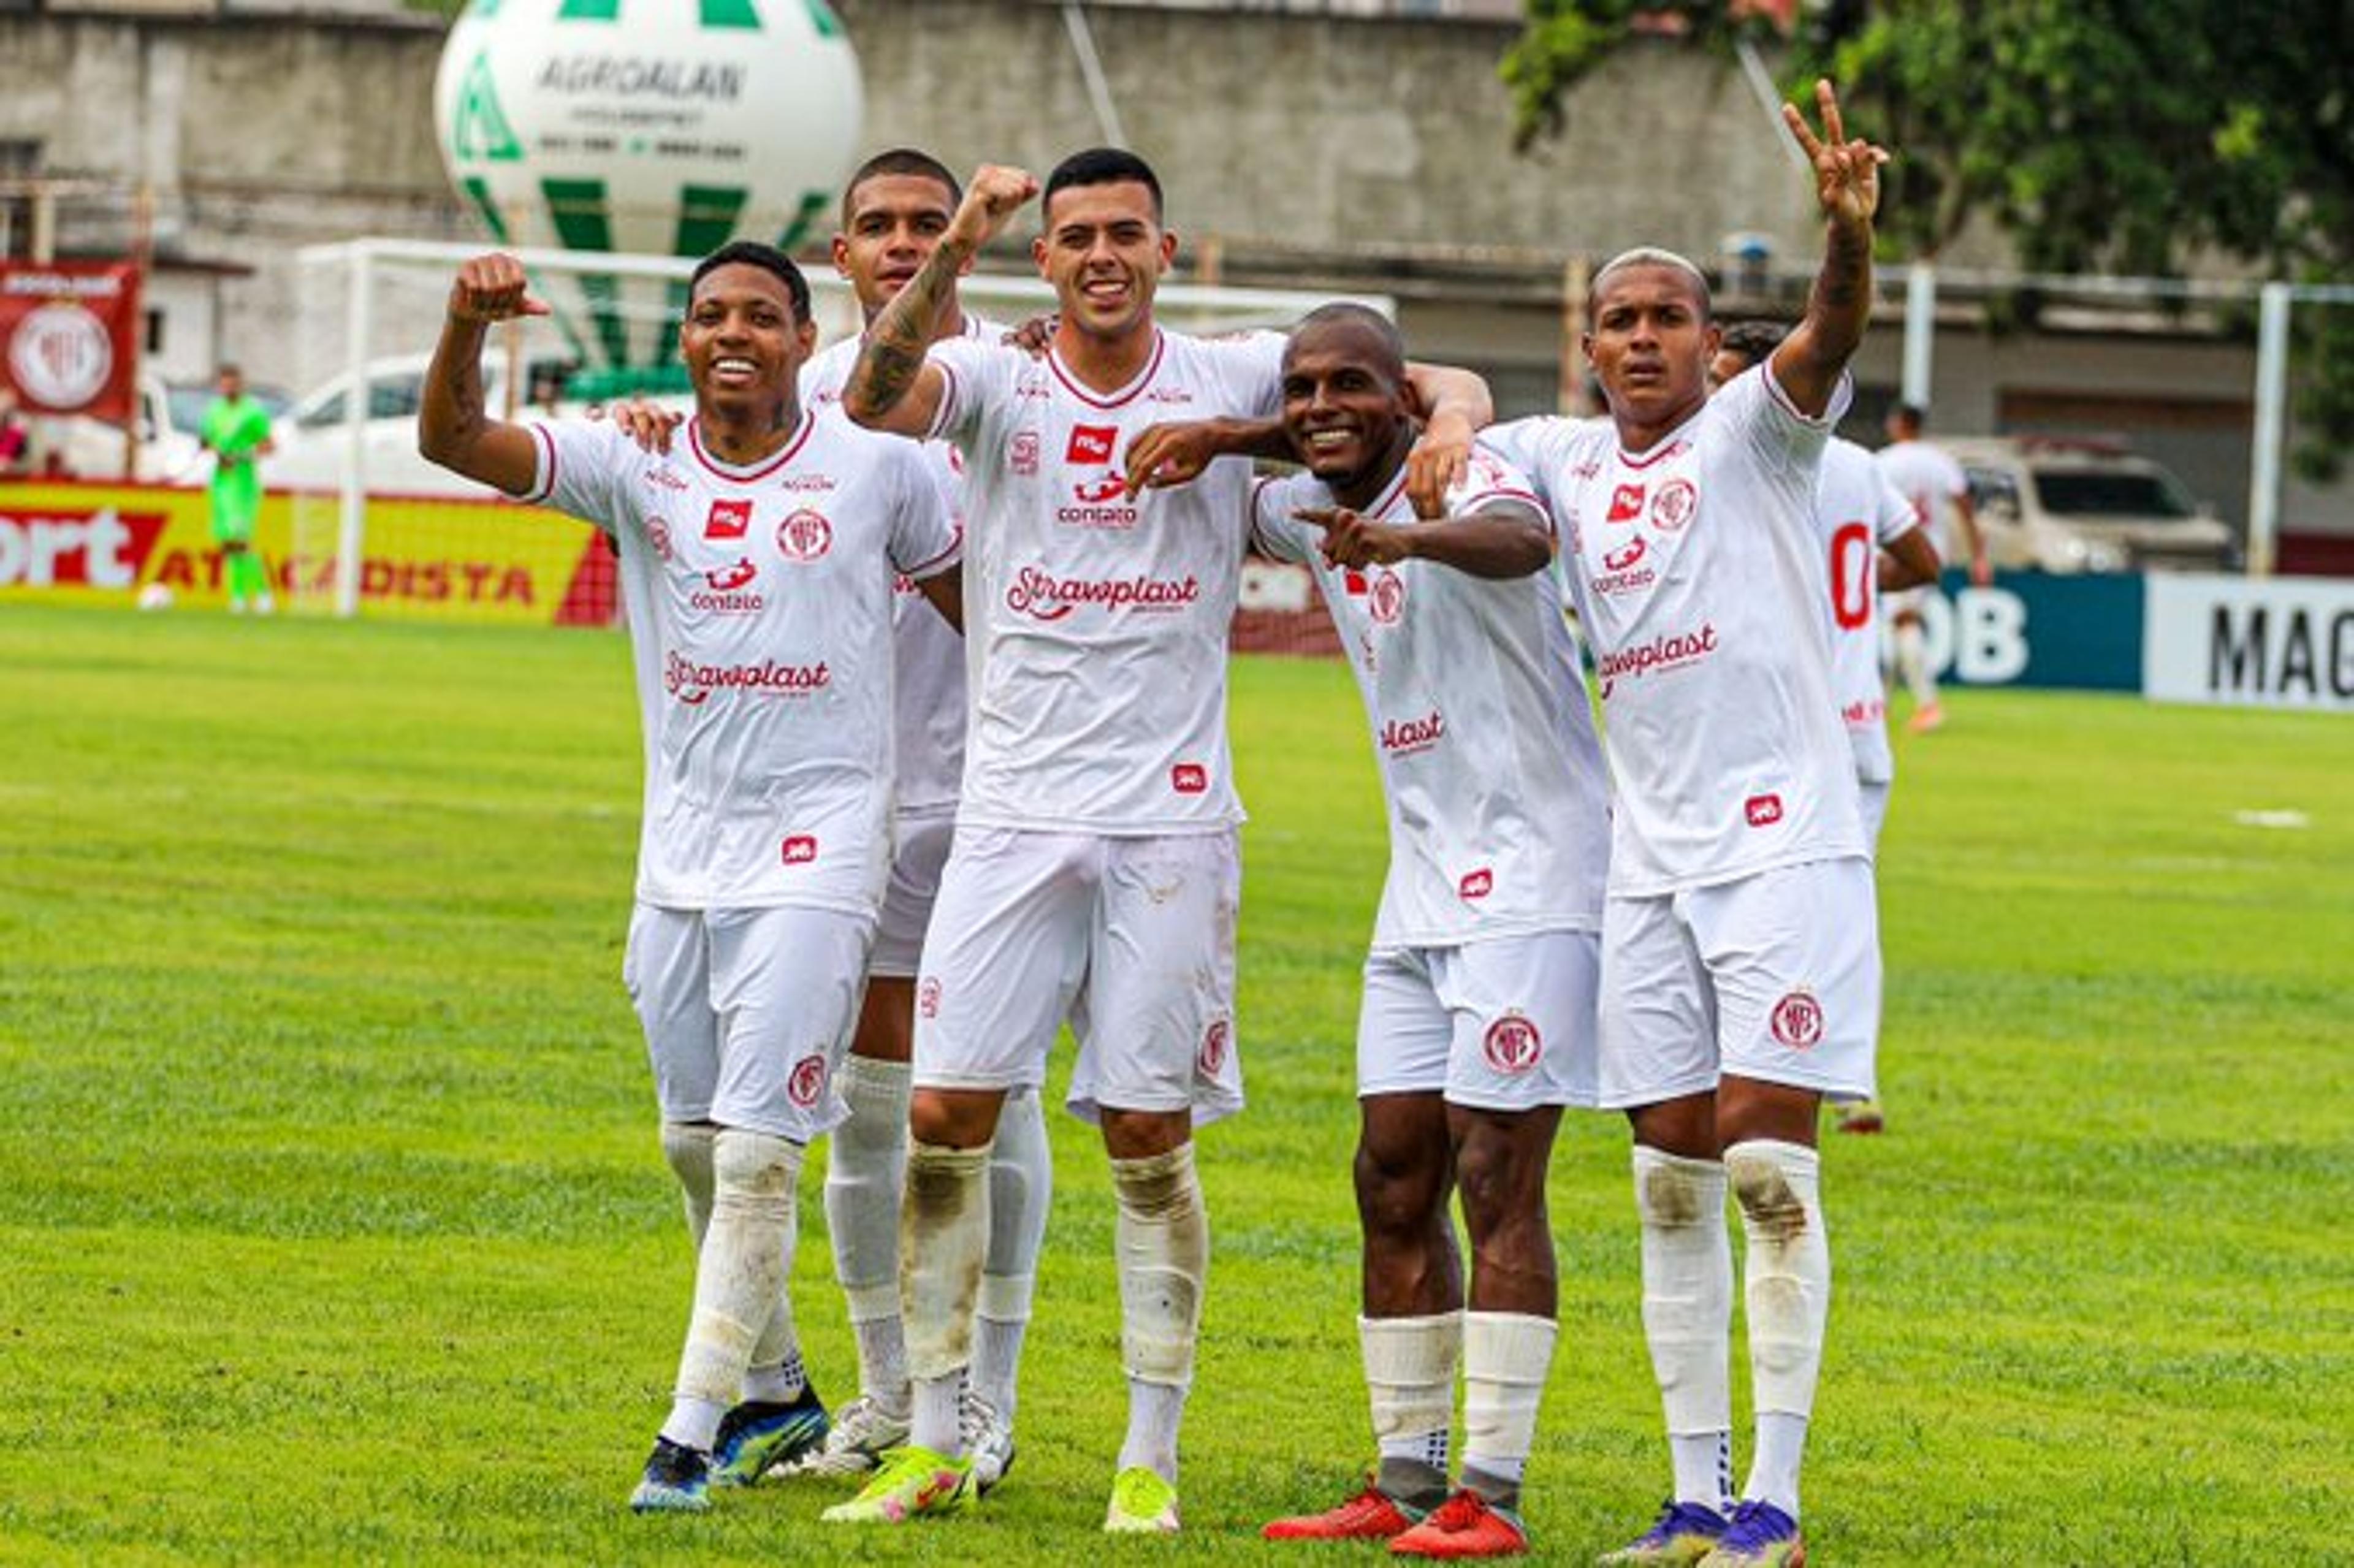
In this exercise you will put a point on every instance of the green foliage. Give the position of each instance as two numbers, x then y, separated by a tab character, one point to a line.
335	1231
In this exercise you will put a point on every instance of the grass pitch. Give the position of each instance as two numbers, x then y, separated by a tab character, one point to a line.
333	1225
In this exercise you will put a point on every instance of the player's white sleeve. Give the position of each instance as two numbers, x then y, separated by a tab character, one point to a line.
1530	445
1891	514
1252	368
925	539
580	464
973	375
1274	531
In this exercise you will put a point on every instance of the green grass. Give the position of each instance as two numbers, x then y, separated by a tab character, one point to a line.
332	1226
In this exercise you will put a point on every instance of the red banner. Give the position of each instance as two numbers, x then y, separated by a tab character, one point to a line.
68	335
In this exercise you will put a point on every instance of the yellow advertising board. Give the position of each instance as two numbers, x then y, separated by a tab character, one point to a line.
422	557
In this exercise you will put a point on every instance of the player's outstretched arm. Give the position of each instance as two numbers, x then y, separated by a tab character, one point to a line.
1456	406
1810	360
1909	560
893	387
1496	542
1178	452
453	424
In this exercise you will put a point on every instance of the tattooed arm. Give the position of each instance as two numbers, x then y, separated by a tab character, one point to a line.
1809	361
892	387
453	426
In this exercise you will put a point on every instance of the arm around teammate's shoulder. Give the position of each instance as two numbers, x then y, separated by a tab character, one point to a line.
453	424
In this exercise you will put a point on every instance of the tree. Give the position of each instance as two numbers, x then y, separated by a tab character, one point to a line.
2122	136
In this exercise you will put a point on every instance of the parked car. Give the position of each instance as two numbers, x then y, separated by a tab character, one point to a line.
2087	507
170	414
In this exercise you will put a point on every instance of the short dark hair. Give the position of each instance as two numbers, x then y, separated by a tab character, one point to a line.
1910	416
1347	313
768	258
1102	167
1755	342
900	160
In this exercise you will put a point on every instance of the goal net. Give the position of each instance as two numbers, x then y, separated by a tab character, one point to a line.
374	529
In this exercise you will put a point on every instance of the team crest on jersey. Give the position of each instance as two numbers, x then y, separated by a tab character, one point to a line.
927	997
1512	1045
1386	597
1022	452
1763	811
800	849
1476	885
1215	1040
1625	503
1189	779
804	536
1674	505
1798	1021
1092	443
729	520
808	1081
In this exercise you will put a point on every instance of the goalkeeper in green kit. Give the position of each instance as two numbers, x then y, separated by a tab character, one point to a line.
237	432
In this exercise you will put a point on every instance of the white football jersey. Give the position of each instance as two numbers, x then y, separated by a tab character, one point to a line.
1857	511
1097	623
929	719
1499	813
1928	479
759	608
1699	581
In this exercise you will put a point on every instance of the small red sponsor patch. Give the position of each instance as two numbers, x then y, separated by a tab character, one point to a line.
1092	443
1103	489
1513	1045
1189	779
800	850
1477	885
1763	811
808	1081
927	997
1212	1055
1620	561
1626	503
804	536
729	520
1798	1021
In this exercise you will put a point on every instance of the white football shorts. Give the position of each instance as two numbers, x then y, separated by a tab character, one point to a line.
747	1013
1507	1023
1774	977
920	851
1130	940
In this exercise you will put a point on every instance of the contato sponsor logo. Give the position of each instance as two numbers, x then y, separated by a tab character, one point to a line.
1404	737
1512	1045
805	535
799	849
1673	507
1622	572
1474	886
1674	650
808	1081
1763	811
689	682
1022	452
1042	596
1189	779
729	520
1101	504
725	590
927	997
1216	1041
1798	1021
1091	443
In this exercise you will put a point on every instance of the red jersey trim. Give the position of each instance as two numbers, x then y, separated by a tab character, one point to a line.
734	475
542	490
1127	393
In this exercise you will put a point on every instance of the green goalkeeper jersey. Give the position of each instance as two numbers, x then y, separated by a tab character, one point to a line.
232	431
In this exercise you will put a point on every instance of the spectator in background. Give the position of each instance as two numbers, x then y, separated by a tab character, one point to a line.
16	436
237	432
1934	483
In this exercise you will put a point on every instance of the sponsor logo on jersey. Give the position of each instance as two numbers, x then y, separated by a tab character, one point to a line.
818	483
927	997
1512	1045
722	579
1865	710
1215	1039
658	536
1674	505
808	1081
1104	489
691	682
1763	811
729	520
1404	737
804	536
1476	885
1175	394
664	478
1101	505
1042	596
1620	559
1091	443
1798	1021
799	850
1189	779
1022	452
1590	469
726	592
1673	650
1620	573
1625	503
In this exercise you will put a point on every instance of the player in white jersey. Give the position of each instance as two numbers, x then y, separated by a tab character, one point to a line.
1934	485
1095	874
1873	543
1741	974
757	569
1478	1019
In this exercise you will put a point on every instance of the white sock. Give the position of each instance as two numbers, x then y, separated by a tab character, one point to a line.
943	1234
1788	1291
1021	1190
1913	662
1410	1385
1688	1315
687	1150
739	1276
866	1165
1506	1356
1162	1237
